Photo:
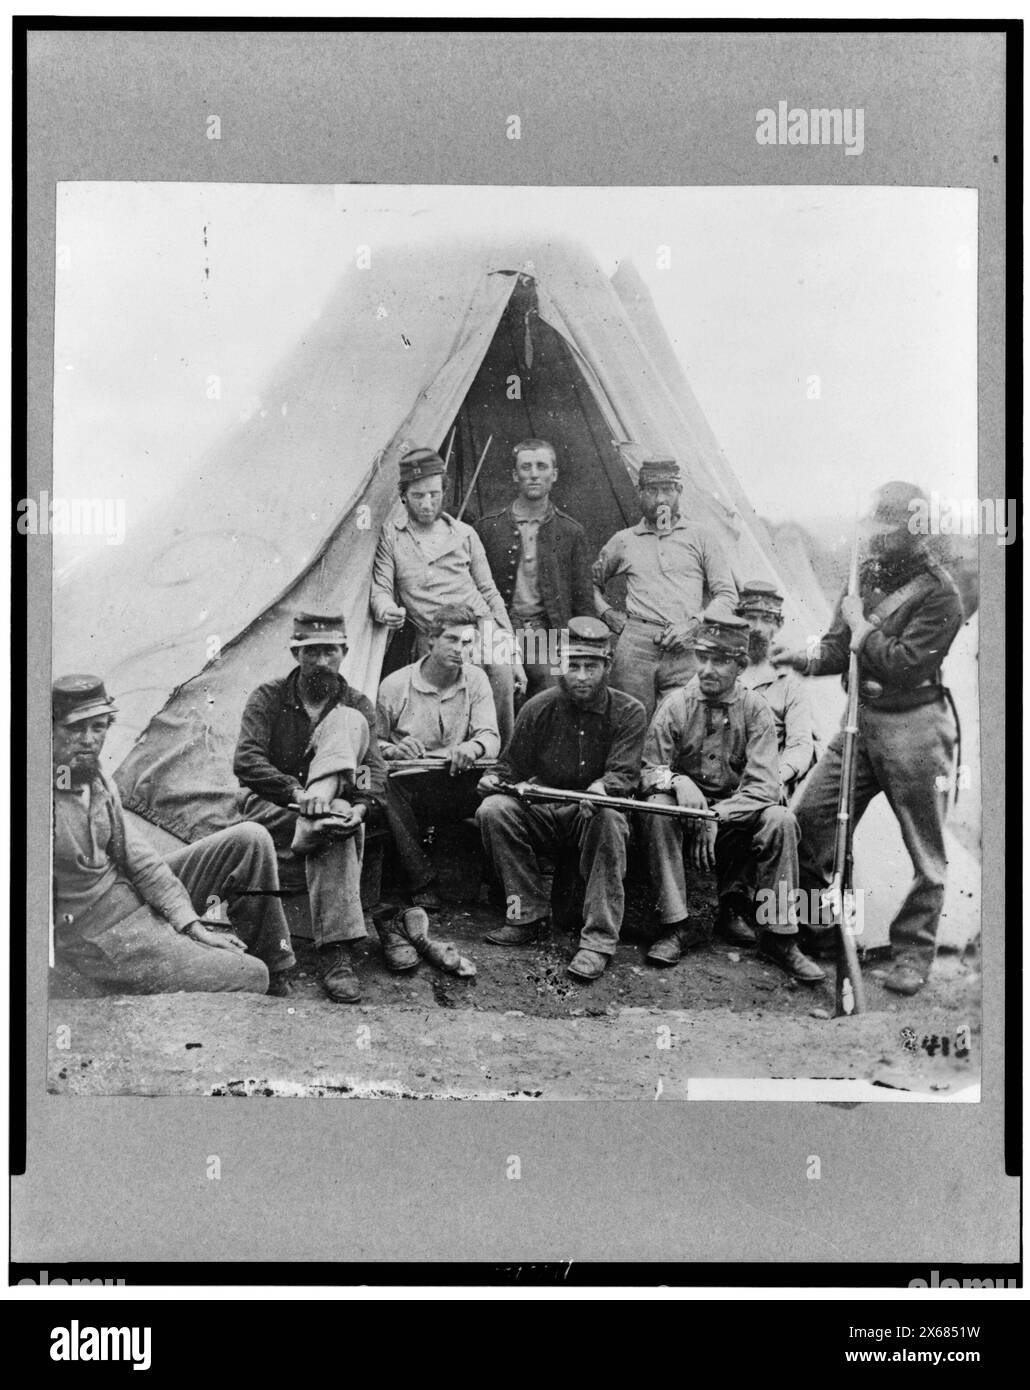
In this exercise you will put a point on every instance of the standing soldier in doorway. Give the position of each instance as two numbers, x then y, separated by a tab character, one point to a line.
540	560
901	623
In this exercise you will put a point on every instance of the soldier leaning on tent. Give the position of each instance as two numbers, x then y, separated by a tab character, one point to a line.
439	707
136	922
902	622
712	744
580	735
425	559
669	565
308	740
540	560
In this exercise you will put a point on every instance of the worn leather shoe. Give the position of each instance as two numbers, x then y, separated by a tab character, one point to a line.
904	979
338	977
398	952
279	985
734	928
517	933
787	954
587	965
670	946
428	899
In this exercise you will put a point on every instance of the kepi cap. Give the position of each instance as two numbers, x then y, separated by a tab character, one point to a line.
317	630
421	463
586	637
722	635
757	596
892	503
658	470
75	698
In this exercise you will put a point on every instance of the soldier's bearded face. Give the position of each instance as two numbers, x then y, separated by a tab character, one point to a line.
319	667
583	677
77	747
757	645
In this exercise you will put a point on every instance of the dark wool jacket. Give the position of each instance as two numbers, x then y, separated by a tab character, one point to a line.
905	650
563	562
273	756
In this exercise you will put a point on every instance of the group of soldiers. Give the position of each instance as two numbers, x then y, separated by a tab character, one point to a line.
519	673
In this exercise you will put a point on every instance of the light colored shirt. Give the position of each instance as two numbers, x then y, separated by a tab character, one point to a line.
786	695
525	601
409	706
89	840
667	572
726	747
451	569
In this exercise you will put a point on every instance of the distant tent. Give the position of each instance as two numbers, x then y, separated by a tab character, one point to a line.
514	341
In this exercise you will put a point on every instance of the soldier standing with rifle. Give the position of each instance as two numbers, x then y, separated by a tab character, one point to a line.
900	624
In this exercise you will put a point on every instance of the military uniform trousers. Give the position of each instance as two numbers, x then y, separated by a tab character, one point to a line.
123	943
765	847
514	834
333	867
901	754
641	669
419	800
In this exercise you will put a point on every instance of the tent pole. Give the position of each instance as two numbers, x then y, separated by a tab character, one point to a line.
475	476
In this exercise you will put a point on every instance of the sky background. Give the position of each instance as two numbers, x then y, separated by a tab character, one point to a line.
872	290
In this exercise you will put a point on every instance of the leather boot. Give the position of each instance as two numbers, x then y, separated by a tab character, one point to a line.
785	952
733	924
517	933
337	971
398	952
675	939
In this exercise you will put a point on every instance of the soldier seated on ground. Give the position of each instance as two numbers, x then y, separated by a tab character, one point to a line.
307	740
713	744
138	923
580	735
441	708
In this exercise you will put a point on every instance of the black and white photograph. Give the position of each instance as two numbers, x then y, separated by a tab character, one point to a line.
390	567
519	532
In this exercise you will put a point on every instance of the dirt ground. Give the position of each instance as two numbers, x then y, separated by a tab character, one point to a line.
521	1029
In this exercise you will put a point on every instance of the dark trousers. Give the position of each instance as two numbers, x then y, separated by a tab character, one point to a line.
900	754
421	799
514	834
124	943
764	847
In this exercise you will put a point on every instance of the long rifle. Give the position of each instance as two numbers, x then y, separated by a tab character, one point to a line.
475	475
839	897
531	791
405	767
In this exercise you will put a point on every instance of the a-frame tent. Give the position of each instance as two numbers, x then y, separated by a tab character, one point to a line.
283	514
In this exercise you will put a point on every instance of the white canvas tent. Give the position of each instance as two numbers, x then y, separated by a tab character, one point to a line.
507	340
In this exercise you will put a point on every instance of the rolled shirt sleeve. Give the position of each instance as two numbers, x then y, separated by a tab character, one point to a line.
482	713
610	562
479	568
383	594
